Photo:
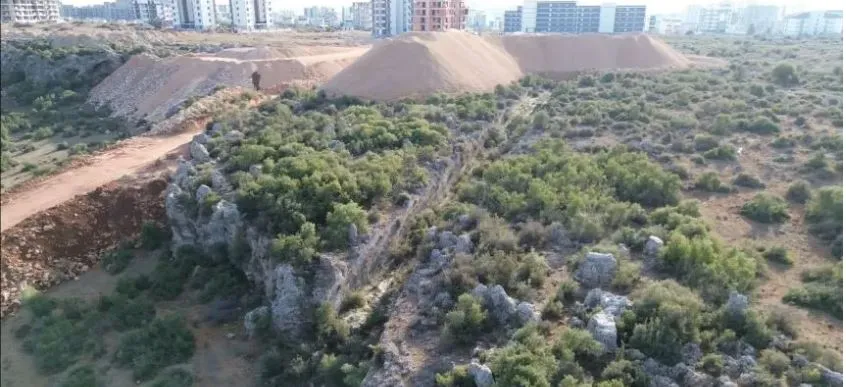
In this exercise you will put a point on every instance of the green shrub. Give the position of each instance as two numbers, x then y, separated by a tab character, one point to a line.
467	321
774	361
748	181
782	142
704	142
785	75
339	220
822	289
710	182
298	249
712	364
778	255
164	342
703	262
153	236
763	125
456	377
82	376
667	316
330	329
766	208
116	261
176	377
723	152
824	215
798	192
527	361
624	373
352	301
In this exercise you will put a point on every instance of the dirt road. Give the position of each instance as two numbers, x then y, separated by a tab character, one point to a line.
128	158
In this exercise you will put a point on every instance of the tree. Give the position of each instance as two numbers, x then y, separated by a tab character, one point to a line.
785	74
338	223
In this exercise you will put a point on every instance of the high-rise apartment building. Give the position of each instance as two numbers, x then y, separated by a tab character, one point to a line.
477	20
156	12
29	11
109	11
512	20
196	14
568	17
814	23
392	17
362	15
666	25
439	15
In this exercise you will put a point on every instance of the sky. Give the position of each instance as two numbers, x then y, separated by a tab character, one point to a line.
496	7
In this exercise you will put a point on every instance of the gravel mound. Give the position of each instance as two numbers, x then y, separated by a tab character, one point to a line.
421	63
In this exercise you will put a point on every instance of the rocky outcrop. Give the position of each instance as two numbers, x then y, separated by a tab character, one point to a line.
604	330
608	302
94	64
737	304
504	309
653	246
597	270
482	375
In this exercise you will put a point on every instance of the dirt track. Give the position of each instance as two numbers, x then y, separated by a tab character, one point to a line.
129	158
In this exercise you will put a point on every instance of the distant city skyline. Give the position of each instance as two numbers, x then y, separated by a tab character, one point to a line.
497	7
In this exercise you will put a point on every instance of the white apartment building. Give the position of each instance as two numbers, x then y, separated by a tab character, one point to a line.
156	11
814	23
667	25
29	11
716	18
391	17
362	15
196	14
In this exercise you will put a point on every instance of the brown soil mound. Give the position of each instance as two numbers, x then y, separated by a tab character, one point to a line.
421	63
59	244
557	55
266	52
153	89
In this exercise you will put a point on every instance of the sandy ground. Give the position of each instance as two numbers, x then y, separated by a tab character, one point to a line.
130	157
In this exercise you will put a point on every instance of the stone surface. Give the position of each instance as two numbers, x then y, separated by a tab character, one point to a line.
691	353
199	153
603	329
662	381
526	313
653	246
501	306
482	375
833	379
252	317
287	296
607	301
597	270
201	138
737	304
256	170
233	136
464	244
202	191
352	234
725	381
446	240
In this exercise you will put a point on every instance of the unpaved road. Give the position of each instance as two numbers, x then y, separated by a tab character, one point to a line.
128	158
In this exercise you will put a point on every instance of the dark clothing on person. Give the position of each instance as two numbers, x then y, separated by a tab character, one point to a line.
256	79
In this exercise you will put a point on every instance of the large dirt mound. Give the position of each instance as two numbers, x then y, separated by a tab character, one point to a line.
421	63
557	55
150	88
57	244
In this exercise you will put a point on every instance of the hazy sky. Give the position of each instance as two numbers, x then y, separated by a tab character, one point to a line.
497	6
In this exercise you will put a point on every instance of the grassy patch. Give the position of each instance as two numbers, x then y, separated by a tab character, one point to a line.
766	208
822	289
116	261
778	255
164	342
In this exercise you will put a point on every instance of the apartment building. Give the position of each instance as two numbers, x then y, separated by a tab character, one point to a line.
511	21
156	12
439	15
196	14
666	25
814	23
392	17
29	11
223	13
569	17
477	20
362	15
109	11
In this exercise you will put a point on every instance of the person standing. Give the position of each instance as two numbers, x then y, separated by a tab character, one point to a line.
256	79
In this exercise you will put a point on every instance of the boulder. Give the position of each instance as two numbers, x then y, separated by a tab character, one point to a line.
653	246
559	237
252	318
201	138
526	313
465	222
737	304
725	381
233	136
482	375
288	294
464	244
215	128
446	240
199	153
691	353
597	270
831	378
575	322
352	235
604	330
500	305
256	170
202	191
609	302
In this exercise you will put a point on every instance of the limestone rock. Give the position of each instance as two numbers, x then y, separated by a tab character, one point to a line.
691	353
597	270
464	245
526	313
233	136
202	191
201	138
482	375
834	379
737	304
609	302
256	170
725	381
252	317
446	240
604	330
662	381
287	296
352	234
653	246
501	306
199	153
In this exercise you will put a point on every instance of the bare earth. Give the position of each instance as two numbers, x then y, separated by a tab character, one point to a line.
131	157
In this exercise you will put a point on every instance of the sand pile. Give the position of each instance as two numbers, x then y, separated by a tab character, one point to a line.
562	55
419	64
266	52
153	89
